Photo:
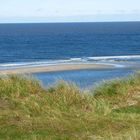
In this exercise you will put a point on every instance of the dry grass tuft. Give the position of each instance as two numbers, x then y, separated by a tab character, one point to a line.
110	112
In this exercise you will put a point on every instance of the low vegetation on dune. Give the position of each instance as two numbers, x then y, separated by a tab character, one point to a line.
111	111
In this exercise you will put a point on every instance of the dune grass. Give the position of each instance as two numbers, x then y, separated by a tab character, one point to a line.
111	111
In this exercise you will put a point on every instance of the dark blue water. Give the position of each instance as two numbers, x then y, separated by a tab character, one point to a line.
31	43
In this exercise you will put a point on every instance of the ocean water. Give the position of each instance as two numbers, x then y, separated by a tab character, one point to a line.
115	43
85	79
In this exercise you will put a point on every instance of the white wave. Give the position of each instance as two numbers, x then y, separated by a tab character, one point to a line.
115	57
101	59
75	59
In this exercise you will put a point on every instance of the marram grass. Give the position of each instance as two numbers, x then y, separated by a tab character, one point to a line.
63	112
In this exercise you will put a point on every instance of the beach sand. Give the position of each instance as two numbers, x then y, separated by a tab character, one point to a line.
51	68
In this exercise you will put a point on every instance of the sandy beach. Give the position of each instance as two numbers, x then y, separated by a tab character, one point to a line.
51	68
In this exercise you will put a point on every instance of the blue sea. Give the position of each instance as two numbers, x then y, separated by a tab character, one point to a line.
116	43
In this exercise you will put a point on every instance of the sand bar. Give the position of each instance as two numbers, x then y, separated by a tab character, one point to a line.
51	68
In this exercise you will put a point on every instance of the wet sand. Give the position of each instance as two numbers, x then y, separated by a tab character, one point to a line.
51	68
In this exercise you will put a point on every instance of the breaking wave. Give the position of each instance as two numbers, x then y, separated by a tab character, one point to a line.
112	60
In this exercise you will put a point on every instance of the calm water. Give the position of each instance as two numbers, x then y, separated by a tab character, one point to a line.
39	44
83	78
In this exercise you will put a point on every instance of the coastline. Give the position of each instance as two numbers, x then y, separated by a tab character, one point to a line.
52	68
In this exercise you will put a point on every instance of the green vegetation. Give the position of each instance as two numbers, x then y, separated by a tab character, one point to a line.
111	111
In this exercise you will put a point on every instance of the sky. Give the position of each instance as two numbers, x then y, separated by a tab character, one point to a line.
69	10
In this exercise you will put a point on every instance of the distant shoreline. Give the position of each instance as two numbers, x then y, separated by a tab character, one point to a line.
52	68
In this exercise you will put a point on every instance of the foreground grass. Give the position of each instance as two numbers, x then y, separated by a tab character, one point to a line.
111	111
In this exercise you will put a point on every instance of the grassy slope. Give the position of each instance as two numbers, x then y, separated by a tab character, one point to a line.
110	111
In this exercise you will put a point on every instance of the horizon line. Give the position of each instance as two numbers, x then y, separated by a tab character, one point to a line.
44	22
